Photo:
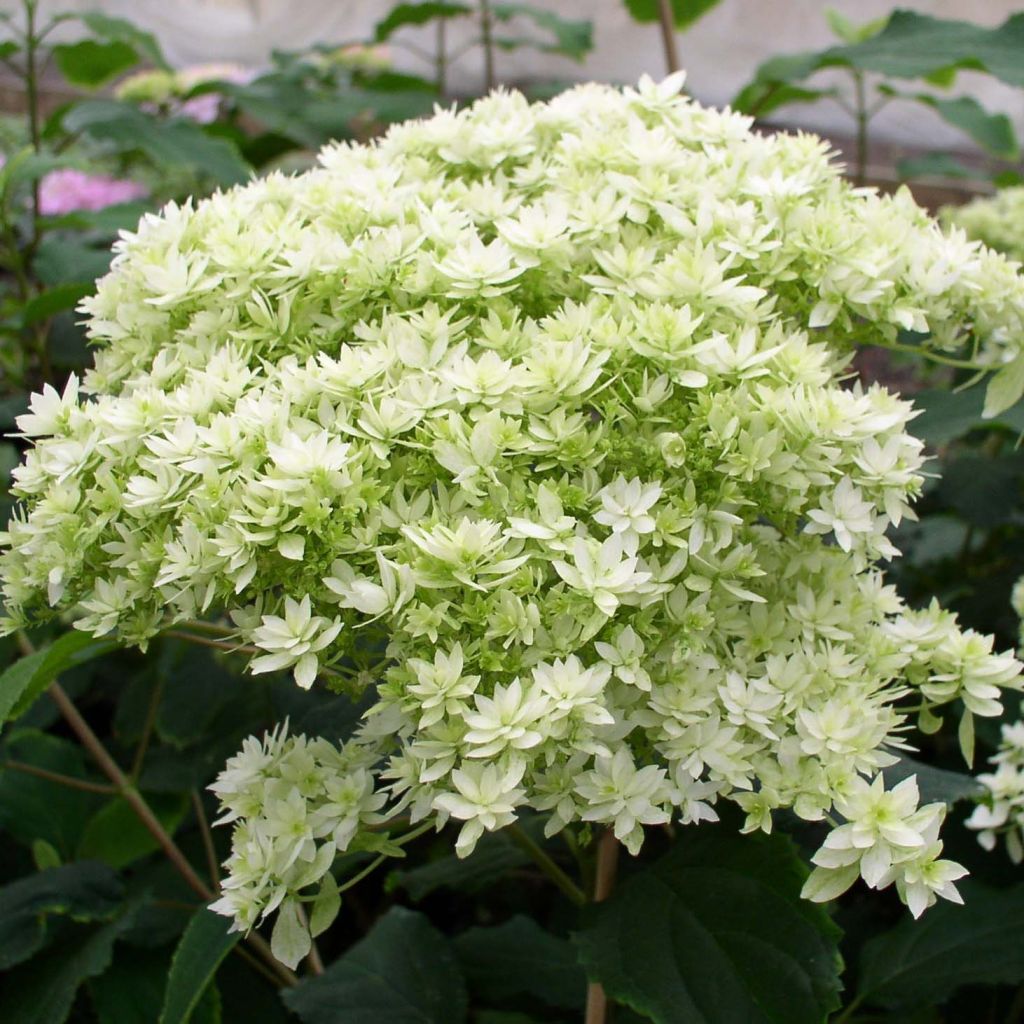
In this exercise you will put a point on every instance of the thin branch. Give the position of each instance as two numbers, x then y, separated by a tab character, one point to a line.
313	958
147	729
64	780
668	35
607	864
212	864
487	41
547	865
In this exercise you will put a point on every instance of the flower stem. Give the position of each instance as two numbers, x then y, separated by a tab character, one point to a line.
135	800
668	35
604	880
547	865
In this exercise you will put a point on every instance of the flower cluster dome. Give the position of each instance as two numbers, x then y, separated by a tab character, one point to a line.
537	421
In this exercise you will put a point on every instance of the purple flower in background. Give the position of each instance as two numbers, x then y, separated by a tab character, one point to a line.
64	191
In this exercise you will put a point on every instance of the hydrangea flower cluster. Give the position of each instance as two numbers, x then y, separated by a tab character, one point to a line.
1000	810
534	420
997	220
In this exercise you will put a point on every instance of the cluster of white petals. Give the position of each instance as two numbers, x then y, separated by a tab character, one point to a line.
536	420
996	220
1000	809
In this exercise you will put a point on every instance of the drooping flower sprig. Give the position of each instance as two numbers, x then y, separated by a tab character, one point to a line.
535	420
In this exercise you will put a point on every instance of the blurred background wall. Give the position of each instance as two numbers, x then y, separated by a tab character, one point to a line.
720	52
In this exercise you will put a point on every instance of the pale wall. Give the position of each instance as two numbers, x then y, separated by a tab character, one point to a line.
720	53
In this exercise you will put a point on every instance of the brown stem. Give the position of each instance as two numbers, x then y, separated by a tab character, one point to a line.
81	728
441	58
147	730
668	35
212	864
487	41
313	959
63	780
604	880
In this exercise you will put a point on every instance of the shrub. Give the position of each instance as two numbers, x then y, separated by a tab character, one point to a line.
534	422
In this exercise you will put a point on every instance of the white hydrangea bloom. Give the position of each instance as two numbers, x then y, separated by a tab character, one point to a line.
534	420
1000	808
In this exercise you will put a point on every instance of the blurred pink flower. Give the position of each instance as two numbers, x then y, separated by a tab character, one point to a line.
67	190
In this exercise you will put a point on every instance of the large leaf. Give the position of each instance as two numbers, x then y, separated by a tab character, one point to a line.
946	415
115	835
571	38
85	891
520	958
55	300
121	31
34	808
403	972
716	933
494	856
131	990
992	132
26	679
43	990
90	64
684	12
403	15
176	142
984	490
936	785
202	948
911	45
919	963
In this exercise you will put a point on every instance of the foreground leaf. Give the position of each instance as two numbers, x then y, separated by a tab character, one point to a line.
85	891
26	679
520	958
716	933
919	963
684	12
202	948
405	15
43	991
403	972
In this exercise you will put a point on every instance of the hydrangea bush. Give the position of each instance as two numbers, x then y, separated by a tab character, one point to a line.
996	220
535	422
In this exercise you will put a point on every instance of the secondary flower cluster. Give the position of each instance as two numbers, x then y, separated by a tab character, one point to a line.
1000	811
997	220
534	420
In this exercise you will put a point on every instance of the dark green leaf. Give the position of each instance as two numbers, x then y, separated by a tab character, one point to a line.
26	679
936	165
32	808
495	855
115	835
90	64
571	38
119	30
947	415
919	963
983	490
403	972
178	143
131	990
685	12
55	300
416	14
43	990
66	261
107	221
85	891
520	958
760	101
936	785
202	948
716	933
911	45
916	45
993	132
